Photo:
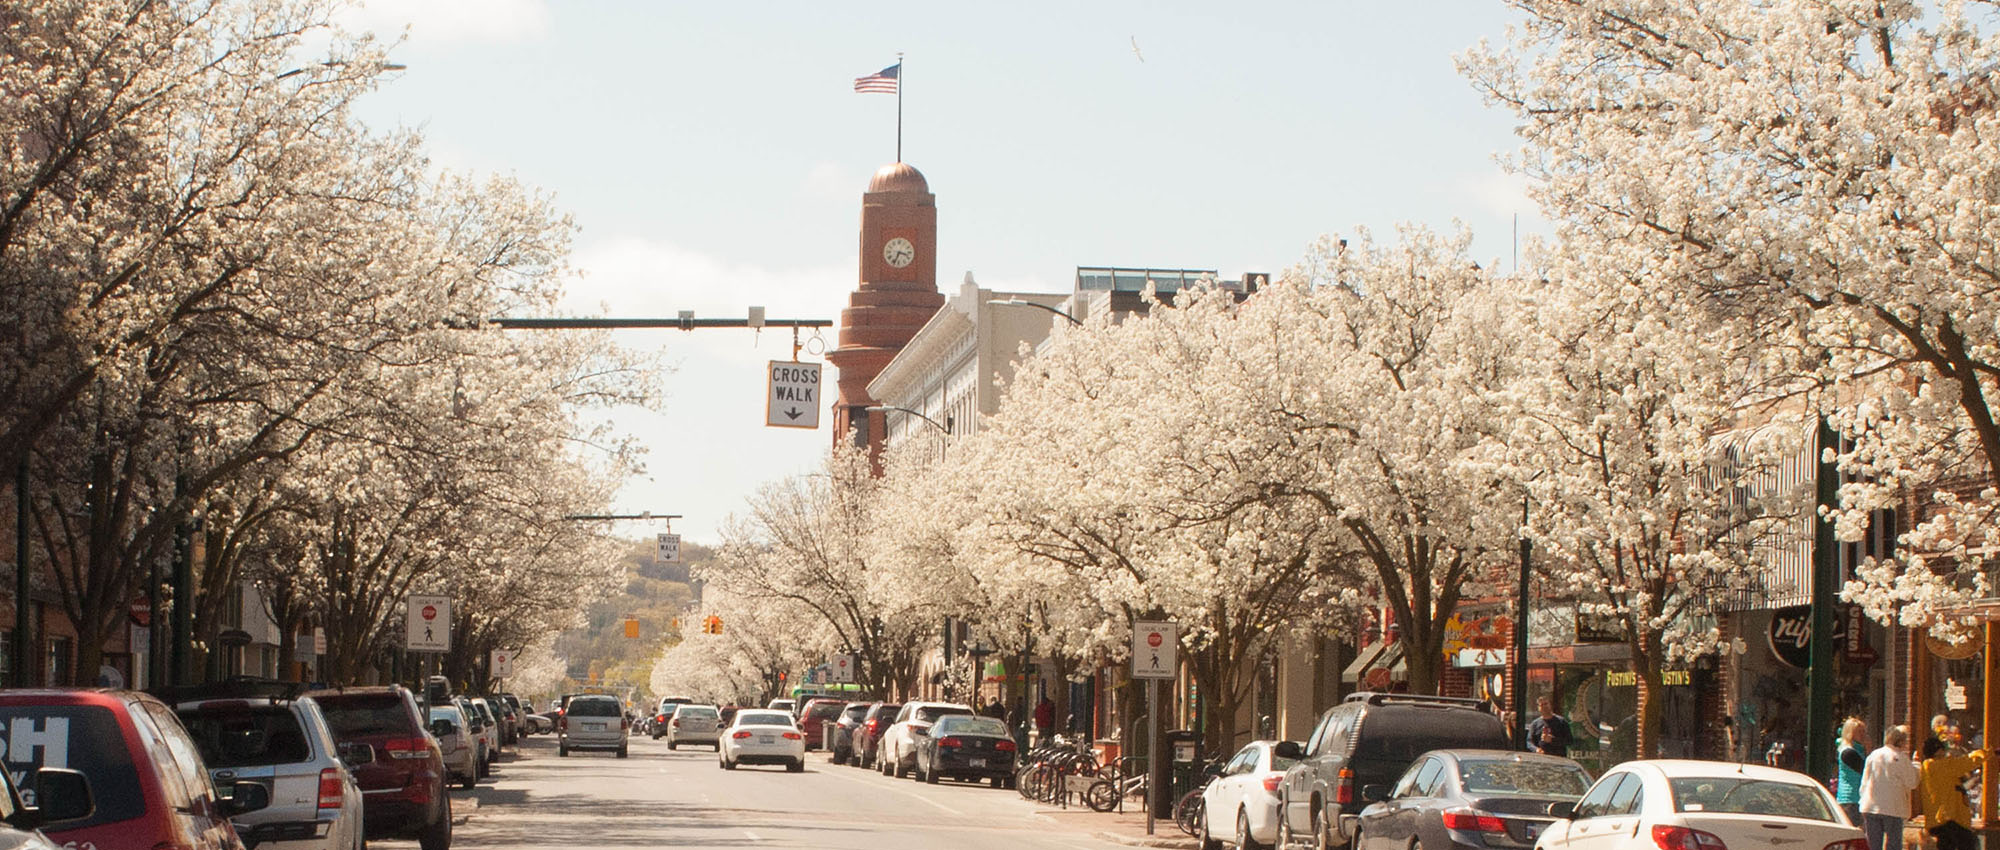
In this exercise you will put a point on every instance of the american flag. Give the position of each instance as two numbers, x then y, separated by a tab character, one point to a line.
883	81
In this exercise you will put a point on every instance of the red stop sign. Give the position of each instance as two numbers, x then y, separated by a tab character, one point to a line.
1153	639
430	612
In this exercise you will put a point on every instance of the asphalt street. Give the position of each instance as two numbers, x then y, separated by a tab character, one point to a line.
658	797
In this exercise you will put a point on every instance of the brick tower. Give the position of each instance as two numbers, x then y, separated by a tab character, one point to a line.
897	295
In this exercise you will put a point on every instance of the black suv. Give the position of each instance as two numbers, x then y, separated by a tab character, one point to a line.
1370	739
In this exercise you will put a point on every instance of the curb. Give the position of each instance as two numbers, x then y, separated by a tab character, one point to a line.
1147	841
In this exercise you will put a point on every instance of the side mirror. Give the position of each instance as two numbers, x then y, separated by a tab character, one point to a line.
244	798
1562	811
1213	769
920	731
354	755
1289	750
60	795
1374	793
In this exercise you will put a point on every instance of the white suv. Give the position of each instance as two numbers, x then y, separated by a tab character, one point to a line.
593	722
899	745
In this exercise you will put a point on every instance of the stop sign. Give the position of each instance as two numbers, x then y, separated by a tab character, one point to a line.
430	612
1153	639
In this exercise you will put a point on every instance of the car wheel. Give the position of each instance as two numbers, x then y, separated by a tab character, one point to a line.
797	766
562	750
1246	841
931	773
621	751
437	834
1202	834
999	781
1322	831
469	782
672	744
1284	828
902	769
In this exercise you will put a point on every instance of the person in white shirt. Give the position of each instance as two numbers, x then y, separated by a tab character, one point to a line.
1887	779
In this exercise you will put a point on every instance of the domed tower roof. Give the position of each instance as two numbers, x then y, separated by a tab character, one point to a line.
899	177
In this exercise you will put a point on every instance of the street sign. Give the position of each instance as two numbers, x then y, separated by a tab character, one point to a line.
302	648
503	663
794	397
429	624
842	665
670	549
1155	650
319	640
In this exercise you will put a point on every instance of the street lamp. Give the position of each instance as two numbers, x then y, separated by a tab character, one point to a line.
1019	302
883	408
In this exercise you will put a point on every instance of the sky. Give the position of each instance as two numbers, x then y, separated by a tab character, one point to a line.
713	156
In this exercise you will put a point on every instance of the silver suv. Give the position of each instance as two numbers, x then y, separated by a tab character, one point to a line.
263	732
593	722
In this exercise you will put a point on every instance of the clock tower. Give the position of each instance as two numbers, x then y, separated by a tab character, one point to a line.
897	295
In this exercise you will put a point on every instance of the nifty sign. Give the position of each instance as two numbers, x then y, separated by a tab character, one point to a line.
1155	650
429	624
794	397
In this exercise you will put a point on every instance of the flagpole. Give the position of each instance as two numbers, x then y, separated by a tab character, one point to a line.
899	106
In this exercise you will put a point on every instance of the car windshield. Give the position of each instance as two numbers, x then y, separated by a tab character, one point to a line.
243	736
593	707
969	725
824	710
449	713
763	718
930	713
1508	776
361	716
1740	795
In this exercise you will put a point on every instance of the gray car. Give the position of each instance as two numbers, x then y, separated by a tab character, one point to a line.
282	743
593	722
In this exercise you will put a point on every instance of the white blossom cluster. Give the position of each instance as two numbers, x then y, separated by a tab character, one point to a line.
231	312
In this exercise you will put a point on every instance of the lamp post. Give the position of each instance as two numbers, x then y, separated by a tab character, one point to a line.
944	428
1021	302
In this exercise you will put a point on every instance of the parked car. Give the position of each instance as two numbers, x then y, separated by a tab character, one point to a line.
760	736
263	731
814	716
1468	799
728	714
541	724
898	749
117	771
966	746
1700	804
868	736
593	722
495	729
454	736
1242	800
20	823
403	789
483	737
1370	739
844	728
522	728
508	722
694	724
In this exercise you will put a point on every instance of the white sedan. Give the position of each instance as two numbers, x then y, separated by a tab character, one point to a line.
762	736
1242	801
1701	805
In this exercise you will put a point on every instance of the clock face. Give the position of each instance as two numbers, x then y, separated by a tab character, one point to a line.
898	252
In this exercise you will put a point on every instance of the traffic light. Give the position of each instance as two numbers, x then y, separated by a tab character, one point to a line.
631	627
711	625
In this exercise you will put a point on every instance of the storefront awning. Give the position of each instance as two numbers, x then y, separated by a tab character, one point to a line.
1379	656
1362	661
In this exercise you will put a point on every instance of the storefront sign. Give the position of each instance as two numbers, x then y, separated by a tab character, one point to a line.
1627	678
1856	646
1791	634
1954	695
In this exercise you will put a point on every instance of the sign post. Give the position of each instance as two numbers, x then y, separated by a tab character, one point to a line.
429	626
794	395
1155	656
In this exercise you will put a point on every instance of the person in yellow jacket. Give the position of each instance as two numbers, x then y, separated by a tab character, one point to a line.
1946	816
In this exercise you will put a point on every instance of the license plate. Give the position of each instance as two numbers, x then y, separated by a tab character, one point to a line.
1533	830
593	727
976	762
765	739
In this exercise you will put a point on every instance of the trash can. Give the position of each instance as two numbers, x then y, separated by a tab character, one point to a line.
1184	749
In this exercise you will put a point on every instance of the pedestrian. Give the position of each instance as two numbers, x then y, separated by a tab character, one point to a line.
1045	716
1948	819
995	710
1549	733
1849	761
1887	779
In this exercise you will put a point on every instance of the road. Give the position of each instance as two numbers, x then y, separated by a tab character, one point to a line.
658	797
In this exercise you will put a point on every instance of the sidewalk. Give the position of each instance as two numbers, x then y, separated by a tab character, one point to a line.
1128	828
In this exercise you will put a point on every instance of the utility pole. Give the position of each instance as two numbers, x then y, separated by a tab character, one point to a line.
1820	731
22	632
1519	686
